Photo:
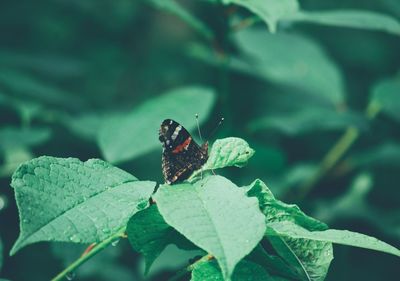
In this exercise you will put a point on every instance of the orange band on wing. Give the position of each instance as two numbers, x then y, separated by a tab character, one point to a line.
182	146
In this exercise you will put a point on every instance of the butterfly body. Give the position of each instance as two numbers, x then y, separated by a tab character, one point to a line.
181	155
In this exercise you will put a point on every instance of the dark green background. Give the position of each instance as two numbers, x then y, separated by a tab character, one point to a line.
60	60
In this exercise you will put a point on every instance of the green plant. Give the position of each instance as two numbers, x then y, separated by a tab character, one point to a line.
312	86
94	202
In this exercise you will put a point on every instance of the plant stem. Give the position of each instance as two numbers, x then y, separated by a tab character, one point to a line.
331	158
336	152
190	267
96	249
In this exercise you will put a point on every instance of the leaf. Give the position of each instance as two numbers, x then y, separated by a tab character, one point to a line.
227	152
14	138
12	158
308	120
274	11
149	234
66	200
27	86
344	237
350	18
310	259
176	9
172	259
135	134
270	11
276	210
306	67
353	203
216	216
386	94
88	124
387	154
275	265
293	176
245	271
49	65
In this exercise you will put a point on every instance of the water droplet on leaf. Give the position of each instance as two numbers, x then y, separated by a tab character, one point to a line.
70	275
75	238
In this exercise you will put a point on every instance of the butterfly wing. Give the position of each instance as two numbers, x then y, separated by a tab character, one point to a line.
181	154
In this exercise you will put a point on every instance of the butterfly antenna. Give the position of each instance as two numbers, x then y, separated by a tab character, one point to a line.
216	127
198	126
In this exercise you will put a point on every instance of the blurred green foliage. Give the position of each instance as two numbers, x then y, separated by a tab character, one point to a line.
92	79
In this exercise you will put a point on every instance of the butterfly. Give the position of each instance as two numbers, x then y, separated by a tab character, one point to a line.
181	155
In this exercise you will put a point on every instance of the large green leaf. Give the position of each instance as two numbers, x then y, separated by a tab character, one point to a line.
245	271
72	201
136	133
216	216
270	11
386	95
350	18
305	67
149	234
310	259
344	237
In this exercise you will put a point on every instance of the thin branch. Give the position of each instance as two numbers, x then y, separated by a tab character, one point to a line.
96	249
336	153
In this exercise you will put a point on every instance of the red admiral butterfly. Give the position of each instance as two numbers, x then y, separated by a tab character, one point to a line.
181	154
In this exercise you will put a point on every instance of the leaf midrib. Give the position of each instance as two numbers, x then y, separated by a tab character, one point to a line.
213	225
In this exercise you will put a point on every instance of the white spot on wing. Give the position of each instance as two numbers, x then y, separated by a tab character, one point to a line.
176	132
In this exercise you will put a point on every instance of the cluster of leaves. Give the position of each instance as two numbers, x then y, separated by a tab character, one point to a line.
307	69
92	201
